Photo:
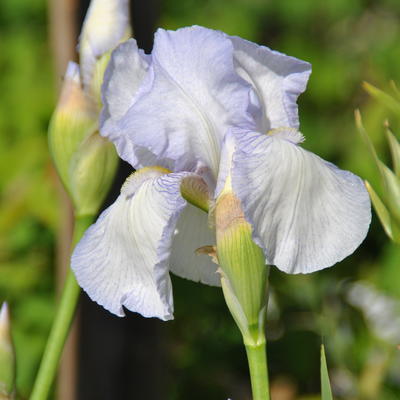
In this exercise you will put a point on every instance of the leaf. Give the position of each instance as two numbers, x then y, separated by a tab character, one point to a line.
381	210
366	138
394	146
392	187
395	89
390	180
386	99
326	392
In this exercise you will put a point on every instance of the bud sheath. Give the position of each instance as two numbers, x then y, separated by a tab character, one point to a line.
243	269
7	356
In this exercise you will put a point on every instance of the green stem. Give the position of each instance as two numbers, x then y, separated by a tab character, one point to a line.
61	324
257	358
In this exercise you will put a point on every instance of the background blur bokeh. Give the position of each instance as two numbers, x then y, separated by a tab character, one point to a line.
353	308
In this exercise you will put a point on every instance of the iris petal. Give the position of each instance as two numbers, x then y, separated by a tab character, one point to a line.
190	95
277	79
122	260
106	23
124	75
306	213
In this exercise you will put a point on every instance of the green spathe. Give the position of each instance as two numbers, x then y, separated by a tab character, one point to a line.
85	161
244	280
244	275
7	356
94	166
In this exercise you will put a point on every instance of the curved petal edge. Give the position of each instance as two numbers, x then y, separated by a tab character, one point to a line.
123	259
306	213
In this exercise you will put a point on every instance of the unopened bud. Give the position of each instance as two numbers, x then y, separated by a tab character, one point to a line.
106	25
244	275
94	167
7	356
85	161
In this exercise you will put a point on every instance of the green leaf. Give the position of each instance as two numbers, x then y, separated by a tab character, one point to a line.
392	187
326	392
394	146
395	89
366	138
381	210
386	99
390	180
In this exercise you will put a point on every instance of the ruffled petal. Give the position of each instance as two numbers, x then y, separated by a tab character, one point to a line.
192	232
305	212
105	25
189	97
278	80
123	259
124	74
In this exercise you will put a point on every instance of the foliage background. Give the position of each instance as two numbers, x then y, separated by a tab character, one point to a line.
347	42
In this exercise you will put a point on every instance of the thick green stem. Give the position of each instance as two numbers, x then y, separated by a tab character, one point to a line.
257	358
61	324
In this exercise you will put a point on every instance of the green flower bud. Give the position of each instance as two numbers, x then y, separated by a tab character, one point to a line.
85	161
7	356
244	275
94	166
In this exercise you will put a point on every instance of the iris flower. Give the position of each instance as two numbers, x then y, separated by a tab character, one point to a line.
201	110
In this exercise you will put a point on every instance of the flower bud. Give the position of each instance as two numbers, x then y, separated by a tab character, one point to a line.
244	275
7	356
85	161
94	167
106	24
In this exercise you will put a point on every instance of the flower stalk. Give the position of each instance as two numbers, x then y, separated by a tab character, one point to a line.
61	325
257	358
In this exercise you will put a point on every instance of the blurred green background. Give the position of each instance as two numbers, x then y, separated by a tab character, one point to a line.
353	308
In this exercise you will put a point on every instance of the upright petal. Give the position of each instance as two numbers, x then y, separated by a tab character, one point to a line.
189	97
122	260
124	75
105	25
277	79
305	212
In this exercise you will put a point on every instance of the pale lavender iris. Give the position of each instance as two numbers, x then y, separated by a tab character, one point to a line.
206	107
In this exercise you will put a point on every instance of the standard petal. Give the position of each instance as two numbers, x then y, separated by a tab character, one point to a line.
192	232
189	97
277	79
124	74
105	25
123	77
306	213
122	260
